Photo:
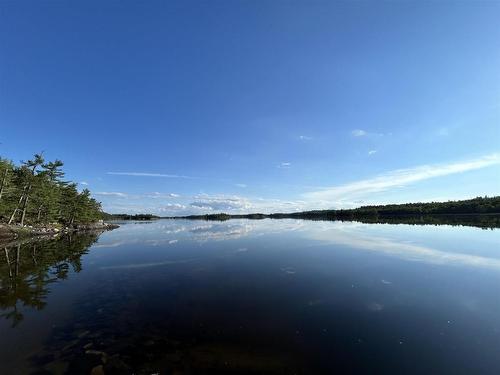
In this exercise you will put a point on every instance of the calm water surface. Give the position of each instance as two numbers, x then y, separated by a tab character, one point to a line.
269	296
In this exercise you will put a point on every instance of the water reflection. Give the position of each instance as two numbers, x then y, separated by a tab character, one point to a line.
266	296
355	236
489	221
28	269
485	221
170	232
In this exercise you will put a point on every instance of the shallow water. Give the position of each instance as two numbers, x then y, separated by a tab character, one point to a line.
245	296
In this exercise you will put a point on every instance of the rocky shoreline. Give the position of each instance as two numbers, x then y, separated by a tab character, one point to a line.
10	233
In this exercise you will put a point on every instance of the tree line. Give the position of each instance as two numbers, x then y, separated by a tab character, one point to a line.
35	193
475	206
480	211
136	217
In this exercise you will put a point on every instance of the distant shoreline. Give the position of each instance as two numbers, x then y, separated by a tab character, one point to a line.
480	212
485	221
475	206
222	216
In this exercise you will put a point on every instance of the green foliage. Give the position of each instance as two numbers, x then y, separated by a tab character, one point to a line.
34	193
476	206
479	205
137	217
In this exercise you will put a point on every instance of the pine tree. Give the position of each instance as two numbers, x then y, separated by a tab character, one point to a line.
27	177
36	193
6	176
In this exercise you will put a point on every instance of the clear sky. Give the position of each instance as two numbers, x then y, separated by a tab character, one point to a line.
177	107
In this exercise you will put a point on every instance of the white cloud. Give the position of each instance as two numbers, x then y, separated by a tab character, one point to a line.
84	183
358	133
398	178
371	152
221	203
305	138
156	195
202	204
146	174
364	133
111	194
241	185
234	204
285	165
172	206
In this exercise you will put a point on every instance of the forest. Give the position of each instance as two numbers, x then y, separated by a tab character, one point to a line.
36	193
476	206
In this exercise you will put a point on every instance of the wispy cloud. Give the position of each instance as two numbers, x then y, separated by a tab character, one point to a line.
84	183
241	185
111	194
371	152
157	194
364	133
399	178
348	195
284	165
305	138
147	174
359	133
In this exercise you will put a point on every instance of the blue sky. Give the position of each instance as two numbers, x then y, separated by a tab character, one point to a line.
242	106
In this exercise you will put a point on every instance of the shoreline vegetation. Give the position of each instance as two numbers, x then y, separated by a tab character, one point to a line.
35	200
126	217
483	212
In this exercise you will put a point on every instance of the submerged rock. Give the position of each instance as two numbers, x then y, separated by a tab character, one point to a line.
97	370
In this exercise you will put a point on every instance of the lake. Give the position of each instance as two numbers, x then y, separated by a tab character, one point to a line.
254	296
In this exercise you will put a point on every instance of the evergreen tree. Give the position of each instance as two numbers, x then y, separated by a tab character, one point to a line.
6	176
35	193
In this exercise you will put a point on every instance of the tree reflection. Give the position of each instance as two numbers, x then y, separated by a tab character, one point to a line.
27	270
